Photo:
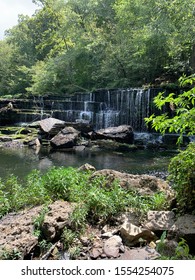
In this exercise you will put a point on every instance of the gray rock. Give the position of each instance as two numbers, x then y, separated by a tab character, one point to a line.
86	167
122	133
51	126
66	138
145	253
56	219
186	225
184	228
96	253
112	246
17	231
160	220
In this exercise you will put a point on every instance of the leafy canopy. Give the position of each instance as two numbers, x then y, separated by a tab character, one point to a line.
182	117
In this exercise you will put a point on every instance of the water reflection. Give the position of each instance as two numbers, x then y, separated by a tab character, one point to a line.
21	162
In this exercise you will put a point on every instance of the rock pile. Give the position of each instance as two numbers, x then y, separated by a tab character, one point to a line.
129	238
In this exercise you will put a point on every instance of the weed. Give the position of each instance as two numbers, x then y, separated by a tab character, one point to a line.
38	221
74	252
10	254
44	246
67	238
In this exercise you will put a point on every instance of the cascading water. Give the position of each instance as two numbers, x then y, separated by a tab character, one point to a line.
106	108
101	108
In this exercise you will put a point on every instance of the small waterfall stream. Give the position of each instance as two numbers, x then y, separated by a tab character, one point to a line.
105	108
101	108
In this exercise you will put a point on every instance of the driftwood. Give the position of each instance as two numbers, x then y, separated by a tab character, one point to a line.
48	253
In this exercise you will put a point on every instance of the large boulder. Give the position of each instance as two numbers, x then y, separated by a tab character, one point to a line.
143	184
51	126
122	133
83	126
56	219
160	220
17	230
132	234
66	138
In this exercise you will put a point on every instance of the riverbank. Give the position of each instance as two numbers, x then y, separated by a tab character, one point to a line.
96	214
18	158
89	214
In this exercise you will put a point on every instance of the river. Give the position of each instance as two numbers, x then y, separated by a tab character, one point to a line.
22	161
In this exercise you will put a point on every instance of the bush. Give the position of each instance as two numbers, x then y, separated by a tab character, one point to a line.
182	176
64	183
11	195
97	200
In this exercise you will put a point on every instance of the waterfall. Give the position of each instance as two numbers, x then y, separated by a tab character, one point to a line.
105	108
101	108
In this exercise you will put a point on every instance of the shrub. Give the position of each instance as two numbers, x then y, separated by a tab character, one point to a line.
34	191
11	195
182	176
97	200
61	182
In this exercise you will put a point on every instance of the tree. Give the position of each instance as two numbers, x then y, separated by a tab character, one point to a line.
84	45
158	37
6	52
182	166
183	110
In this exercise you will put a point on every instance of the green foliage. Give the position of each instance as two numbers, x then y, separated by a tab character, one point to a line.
183	111
71	45
181	252
33	192
78	218
182	167
74	252
161	244
11	195
182	176
65	183
67	238
98	200
38	222
44	246
10	254
103	201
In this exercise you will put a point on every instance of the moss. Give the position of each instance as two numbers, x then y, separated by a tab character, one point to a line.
16	133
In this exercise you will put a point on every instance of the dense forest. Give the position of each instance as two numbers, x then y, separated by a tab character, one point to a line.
79	45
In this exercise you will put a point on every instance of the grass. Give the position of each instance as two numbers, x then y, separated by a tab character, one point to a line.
97	202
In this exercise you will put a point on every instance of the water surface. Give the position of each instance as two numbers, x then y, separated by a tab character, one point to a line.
22	161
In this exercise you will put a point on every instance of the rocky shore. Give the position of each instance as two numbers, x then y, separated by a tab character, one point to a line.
61	135
129	236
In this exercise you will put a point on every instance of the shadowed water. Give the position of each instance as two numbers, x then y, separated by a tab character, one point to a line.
21	162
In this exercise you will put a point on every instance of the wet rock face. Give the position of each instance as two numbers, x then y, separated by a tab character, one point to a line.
66	138
51	126
122	133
